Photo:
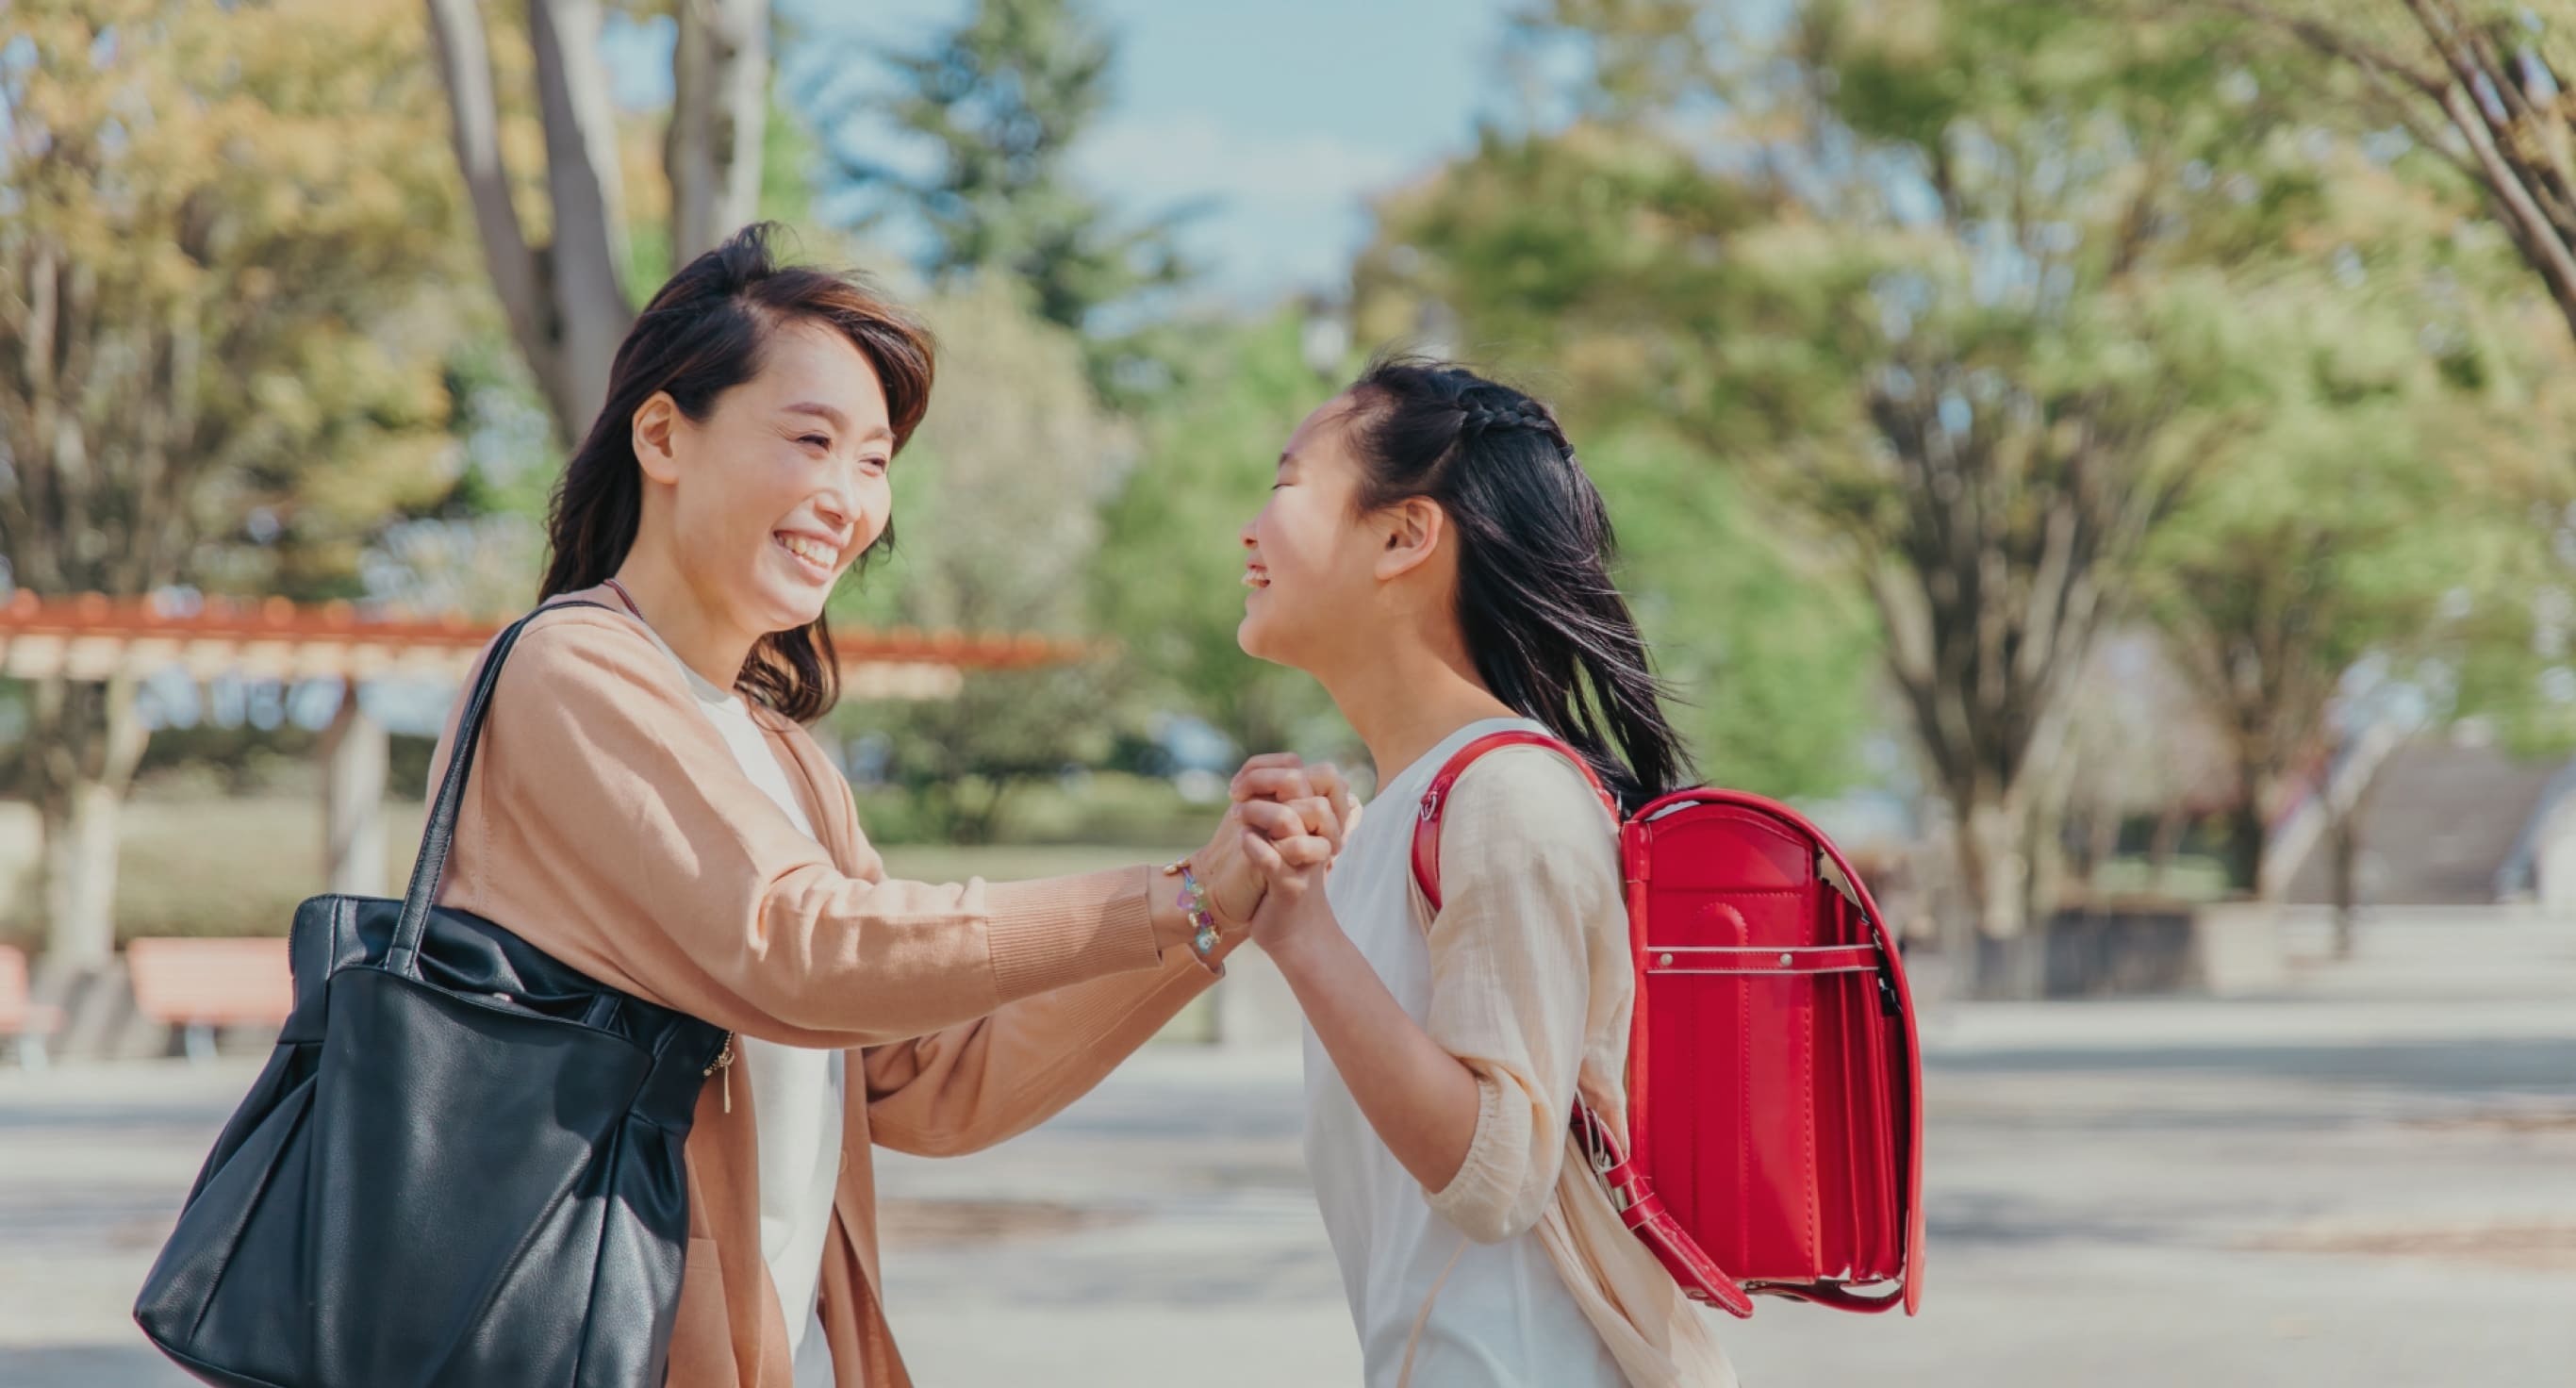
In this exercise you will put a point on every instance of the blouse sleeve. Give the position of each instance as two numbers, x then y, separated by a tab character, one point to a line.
1529	870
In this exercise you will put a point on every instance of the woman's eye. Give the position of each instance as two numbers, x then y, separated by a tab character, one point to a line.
880	464
820	441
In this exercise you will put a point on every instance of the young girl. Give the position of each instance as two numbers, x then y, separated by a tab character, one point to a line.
1434	556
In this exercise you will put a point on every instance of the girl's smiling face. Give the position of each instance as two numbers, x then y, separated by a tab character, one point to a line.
1305	560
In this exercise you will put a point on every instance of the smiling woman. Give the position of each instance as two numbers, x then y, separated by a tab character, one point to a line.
647	808
767	410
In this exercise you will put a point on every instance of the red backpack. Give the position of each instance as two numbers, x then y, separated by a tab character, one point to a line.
1774	1118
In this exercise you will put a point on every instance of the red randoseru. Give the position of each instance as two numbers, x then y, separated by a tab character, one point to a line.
1774	1080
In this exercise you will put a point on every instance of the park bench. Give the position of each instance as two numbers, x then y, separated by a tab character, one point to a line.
201	985
30	1022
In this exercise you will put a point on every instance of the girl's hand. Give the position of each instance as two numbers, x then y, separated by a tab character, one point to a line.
1279	802
1293	911
1284	777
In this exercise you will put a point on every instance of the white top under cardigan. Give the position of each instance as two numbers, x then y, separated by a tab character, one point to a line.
796	1093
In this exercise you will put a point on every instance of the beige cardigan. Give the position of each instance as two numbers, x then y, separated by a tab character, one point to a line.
607	824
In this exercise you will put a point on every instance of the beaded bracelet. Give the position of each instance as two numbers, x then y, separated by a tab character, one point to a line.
1194	907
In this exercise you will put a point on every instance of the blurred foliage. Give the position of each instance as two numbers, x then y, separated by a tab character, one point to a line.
2468	99
230	236
1968	293
997	506
2392	502
1169	578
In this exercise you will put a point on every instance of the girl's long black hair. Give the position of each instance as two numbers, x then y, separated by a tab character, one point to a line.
1549	632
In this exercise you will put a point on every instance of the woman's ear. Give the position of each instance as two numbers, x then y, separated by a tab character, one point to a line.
654	421
1409	534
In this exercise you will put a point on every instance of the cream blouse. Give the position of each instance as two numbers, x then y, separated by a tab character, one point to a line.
1524	975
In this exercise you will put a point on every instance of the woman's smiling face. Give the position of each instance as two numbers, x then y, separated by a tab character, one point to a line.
783	485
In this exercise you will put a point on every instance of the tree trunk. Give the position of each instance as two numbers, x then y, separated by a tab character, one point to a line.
1994	879
80	877
87	739
566	300
2102	841
2345	830
719	108
2170	826
2246	833
2043	895
2345	835
355	758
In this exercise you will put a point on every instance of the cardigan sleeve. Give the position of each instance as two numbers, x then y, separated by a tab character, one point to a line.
965	1088
1529	870
632	846
968	1087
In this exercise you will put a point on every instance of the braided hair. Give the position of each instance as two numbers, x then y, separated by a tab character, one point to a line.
1549	632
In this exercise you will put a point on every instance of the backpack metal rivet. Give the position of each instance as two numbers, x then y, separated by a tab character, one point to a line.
1665	960
1787	959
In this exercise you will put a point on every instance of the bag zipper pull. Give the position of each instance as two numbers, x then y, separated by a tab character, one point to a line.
724	1062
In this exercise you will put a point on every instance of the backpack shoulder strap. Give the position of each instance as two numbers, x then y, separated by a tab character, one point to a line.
1435	799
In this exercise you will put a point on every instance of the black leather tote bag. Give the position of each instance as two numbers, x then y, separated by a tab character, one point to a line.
461	1166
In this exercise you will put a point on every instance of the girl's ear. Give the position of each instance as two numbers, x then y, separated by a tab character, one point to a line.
654	420
1409	533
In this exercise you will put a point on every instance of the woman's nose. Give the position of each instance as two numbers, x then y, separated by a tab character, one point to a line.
838	503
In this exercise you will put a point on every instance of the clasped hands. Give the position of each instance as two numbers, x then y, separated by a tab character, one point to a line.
1284	825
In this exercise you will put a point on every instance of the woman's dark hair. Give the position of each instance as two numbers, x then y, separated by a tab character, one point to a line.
705	333
1547	629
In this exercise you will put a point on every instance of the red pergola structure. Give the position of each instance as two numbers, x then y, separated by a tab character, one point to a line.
92	637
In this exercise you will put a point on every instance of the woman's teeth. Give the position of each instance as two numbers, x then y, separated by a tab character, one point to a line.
807	549
1255	580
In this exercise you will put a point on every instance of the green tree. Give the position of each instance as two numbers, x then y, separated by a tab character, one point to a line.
997	104
226	254
2383	508
1960	286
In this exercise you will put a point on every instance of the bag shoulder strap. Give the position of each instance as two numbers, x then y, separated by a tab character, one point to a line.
1435	798
440	833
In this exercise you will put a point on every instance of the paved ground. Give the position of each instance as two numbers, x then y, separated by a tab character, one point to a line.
2368	1181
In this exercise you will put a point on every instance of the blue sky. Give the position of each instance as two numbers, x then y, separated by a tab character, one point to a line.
1284	116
